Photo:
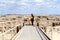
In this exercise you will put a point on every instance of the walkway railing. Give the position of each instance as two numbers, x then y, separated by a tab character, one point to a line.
8	34
9	29
42	34
54	33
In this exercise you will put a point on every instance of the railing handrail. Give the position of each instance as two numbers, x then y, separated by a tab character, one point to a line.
45	36
8	30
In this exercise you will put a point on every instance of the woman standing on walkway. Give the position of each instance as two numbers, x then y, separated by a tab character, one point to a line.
32	19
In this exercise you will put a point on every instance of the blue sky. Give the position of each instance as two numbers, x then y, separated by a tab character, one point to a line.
30	6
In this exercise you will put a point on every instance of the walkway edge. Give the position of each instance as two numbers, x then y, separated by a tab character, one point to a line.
17	34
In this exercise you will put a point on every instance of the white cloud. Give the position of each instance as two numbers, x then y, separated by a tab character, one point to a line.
47	3
55	0
39	0
21	3
8	1
2	4
24	0
49	0
38	4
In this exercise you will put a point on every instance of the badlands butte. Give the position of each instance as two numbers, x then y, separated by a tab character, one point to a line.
50	24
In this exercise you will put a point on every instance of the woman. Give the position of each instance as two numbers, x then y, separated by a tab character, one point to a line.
32	19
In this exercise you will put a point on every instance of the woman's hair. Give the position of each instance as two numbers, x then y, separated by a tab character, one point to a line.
31	14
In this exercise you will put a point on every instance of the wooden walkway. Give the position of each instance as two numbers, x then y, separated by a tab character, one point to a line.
29	33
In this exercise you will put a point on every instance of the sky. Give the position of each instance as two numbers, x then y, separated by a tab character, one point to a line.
30	6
